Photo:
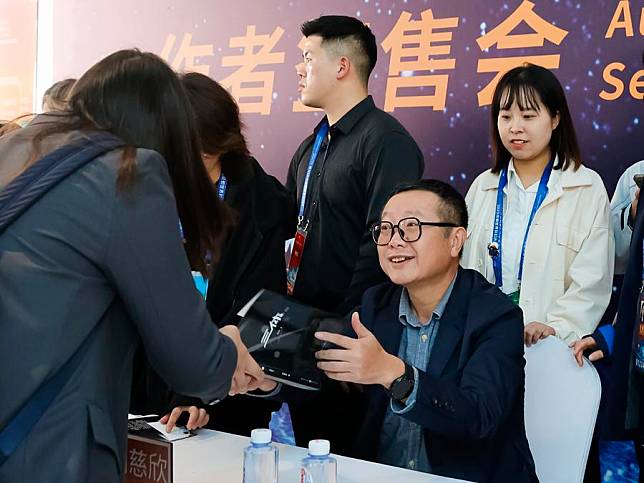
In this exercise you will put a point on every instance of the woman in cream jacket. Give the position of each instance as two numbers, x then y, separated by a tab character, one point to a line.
551	227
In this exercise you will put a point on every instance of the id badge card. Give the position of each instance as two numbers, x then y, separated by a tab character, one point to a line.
295	259
201	283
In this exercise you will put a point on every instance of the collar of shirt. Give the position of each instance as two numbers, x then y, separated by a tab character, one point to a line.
351	118
407	315
513	177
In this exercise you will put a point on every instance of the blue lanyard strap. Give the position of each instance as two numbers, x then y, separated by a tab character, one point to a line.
319	139
497	234
222	186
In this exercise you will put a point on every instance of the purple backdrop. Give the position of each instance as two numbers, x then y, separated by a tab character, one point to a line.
454	139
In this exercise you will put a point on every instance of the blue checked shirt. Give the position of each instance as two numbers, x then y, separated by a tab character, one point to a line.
401	441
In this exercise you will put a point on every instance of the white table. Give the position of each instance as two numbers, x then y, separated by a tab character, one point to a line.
216	457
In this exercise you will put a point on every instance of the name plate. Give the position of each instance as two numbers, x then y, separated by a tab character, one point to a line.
149	460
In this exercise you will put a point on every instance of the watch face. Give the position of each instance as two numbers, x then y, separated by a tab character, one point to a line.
401	388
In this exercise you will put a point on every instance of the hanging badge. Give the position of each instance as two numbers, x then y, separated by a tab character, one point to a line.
295	259
300	236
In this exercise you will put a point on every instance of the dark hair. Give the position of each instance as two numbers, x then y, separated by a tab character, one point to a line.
136	96
452	208
58	94
218	123
528	84
344	30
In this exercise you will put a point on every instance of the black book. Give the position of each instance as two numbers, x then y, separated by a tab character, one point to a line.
279	333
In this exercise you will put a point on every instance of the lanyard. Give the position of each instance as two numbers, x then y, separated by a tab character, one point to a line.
222	187
497	235
319	139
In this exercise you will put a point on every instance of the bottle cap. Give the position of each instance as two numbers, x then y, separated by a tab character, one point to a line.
319	447
260	436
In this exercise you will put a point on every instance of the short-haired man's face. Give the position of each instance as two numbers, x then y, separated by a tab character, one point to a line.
317	73
413	264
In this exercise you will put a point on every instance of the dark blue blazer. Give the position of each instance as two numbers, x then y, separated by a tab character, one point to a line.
618	376
470	397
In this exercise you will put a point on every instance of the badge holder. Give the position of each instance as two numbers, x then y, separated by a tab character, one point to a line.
295	257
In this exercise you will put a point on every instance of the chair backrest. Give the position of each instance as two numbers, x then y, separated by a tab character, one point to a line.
561	404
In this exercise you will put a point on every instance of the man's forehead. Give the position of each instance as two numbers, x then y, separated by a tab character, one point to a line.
405	212
311	42
412	203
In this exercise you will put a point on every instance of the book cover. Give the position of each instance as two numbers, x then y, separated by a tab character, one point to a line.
279	333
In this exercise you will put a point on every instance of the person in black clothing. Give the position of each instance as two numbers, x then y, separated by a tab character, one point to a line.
619	348
252	257
362	153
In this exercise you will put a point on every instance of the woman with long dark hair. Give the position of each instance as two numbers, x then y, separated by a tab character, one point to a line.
96	264
251	259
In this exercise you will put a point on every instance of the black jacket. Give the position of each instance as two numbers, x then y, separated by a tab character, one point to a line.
369	153
470	398
252	258
253	255
619	383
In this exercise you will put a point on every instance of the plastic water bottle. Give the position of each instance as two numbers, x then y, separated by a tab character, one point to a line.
318	466
260	458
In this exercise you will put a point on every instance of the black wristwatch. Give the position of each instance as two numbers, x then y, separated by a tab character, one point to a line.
402	387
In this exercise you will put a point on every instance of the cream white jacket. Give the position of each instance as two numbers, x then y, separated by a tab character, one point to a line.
569	256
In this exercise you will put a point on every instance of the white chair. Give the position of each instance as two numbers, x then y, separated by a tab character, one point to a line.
561	404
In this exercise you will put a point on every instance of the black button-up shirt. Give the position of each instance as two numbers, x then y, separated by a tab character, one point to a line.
369	152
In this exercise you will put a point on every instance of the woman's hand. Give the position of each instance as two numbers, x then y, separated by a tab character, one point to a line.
535	331
582	345
248	375
198	417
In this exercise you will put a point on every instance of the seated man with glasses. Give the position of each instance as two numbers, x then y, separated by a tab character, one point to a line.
439	349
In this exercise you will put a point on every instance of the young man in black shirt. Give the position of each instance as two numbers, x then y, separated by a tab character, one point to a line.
341	176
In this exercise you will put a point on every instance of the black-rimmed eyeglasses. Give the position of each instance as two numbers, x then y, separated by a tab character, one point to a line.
410	229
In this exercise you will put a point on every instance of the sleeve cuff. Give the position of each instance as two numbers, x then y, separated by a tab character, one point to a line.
564	331
606	338
401	408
